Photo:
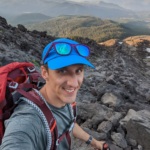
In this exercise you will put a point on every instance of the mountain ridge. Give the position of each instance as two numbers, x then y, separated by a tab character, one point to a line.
28	18
90	27
64	7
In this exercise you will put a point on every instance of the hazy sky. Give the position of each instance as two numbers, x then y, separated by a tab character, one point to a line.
130	4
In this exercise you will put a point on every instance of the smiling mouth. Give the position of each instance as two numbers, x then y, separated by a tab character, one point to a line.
70	90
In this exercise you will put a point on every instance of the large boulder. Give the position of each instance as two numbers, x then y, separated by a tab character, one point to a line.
137	125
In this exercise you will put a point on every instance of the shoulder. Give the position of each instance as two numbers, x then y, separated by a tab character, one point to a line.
24	118
26	128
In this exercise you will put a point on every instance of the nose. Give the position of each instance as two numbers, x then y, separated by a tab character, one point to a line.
73	81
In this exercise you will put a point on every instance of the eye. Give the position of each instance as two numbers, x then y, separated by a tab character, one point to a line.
62	71
78	71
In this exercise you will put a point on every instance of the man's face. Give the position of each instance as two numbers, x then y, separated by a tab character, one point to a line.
62	85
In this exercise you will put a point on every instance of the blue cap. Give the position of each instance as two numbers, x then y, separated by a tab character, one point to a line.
56	61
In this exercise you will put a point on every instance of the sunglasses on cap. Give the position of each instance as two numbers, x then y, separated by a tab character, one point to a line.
64	48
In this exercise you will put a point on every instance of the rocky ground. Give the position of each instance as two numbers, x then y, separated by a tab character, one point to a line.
114	100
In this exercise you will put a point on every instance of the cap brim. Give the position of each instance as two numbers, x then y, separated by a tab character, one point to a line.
64	61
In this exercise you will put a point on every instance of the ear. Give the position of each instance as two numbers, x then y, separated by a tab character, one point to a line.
44	72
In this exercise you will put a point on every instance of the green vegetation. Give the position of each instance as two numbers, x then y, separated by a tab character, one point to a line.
84	26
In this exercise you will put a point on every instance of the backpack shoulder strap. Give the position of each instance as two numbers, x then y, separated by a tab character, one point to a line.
67	133
74	109
36	99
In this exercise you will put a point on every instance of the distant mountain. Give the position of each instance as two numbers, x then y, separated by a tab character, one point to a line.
101	9
136	5
65	7
91	27
28	18
83	26
138	27
144	15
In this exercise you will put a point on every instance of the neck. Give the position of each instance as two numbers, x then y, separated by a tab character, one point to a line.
50	99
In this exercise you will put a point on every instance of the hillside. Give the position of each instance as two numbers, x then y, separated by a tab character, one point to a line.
92	27
83	26
137	26
28	18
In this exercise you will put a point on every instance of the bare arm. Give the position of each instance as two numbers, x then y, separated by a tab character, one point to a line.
79	133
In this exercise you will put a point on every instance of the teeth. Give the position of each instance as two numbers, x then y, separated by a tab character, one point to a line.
70	90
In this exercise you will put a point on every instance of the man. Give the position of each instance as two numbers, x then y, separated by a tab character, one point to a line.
63	71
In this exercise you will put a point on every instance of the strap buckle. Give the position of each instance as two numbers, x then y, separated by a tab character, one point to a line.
31	69
40	84
71	127
57	142
13	85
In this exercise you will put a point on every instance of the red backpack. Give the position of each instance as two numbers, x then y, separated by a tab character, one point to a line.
18	79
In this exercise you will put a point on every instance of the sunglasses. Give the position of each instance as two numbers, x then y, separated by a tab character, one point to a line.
64	48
